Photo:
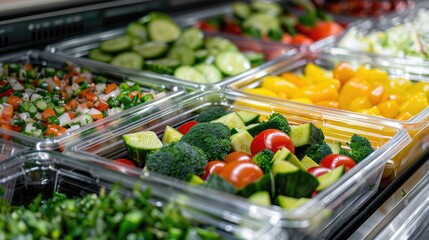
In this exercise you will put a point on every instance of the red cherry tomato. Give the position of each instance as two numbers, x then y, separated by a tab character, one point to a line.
334	160
272	139
318	171
238	156
325	29
300	39
125	166
232	28
203	25
241	173
215	166
184	128
125	161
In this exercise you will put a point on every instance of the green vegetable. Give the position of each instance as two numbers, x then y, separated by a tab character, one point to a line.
210	113
140	144
315	151
177	159
212	137
263	159
275	121
360	148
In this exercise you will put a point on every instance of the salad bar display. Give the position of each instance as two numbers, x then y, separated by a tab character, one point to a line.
239	120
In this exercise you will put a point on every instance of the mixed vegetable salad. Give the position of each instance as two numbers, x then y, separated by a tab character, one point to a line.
265	160
268	20
362	90
104	216
156	43
45	102
409	39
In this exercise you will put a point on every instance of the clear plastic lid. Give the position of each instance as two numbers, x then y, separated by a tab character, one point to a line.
27	175
331	206
163	90
8	149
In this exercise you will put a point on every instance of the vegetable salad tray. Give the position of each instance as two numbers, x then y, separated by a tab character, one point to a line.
126	206
47	99
357	85
318	215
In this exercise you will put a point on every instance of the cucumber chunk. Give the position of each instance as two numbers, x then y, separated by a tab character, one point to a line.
290	203
307	162
210	72
137	30
99	55
190	74
140	144
268	8
150	50
262	23
283	167
232	120
295	184
329	178
249	117
241	10
285	155
232	63
191	37
335	146
261	198
128	60
162	65
305	134
171	135
115	45
183	54
163	30
241	141
219	44
255	58
201	55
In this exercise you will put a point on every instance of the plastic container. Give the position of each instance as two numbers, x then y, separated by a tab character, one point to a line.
157	83
319	215
417	127
8	149
24	176
80	46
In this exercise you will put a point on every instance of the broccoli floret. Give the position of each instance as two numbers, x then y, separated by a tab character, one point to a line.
318	151
212	137
263	159
211	113
275	121
177	160
360	148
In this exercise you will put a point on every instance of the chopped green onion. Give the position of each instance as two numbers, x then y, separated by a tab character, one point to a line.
49	72
18	122
146	98
59	110
53	120
113	102
40	104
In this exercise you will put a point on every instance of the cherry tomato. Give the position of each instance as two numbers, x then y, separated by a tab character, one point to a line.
286	38
203	25
215	166
232	28
271	139
318	171
125	161
238	156
325	29
124	165
334	160
304	29
184	128
300	39
241	173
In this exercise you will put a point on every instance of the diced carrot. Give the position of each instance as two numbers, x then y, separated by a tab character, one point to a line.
64	94
57	81
84	92
27	66
9	127
48	113
134	93
83	105
97	116
73	104
67	107
80	79
91	97
72	115
7	113
89	104
102	106
110	88
55	130
14	101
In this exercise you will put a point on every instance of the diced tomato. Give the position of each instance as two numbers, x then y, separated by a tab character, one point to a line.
232	28
91	97
48	113
15	101
325	29
27	66
304	29
66	107
286	38
64	95
54	130
3	83
134	93
7	93
72	115
111	87
73	104
89	104
79	79
84	92
57	81
7	113
97	116
300	39
203	25
83	105
9	127
102	106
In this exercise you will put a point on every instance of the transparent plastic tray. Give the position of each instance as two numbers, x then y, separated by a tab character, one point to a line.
331	206
8	149
80	46
418	126
157	83
27	175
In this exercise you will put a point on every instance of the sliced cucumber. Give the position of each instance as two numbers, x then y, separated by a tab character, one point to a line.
140	144
163	30
280	167
290	203
190	74
232	63
262	23
137	30
307	162
241	10
219	44
285	154
128	60
171	135
162	66
183	54
117	44
152	16
212	74
201	55
255	58
249	117
241	141
232	120
191	37
335	146
260	198
99	55
151	49
295	184
329	178
307	133
266	7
